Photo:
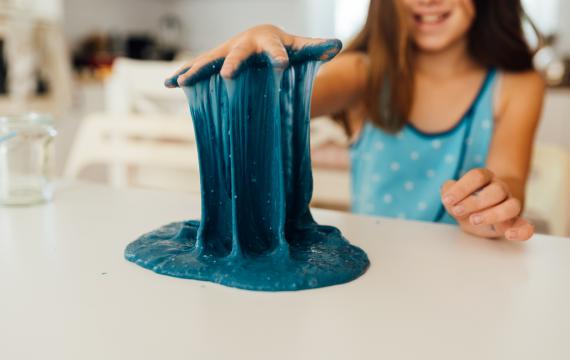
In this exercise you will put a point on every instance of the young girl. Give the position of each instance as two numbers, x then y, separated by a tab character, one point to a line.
441	102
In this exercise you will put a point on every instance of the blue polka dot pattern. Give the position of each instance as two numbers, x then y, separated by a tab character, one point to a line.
400	175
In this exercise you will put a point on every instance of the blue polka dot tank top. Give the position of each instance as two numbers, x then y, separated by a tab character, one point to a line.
400	175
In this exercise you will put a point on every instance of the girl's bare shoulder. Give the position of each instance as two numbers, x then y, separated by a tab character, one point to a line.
530	77
520	88
517	84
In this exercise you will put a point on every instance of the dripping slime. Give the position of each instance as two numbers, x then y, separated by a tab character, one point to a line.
256	230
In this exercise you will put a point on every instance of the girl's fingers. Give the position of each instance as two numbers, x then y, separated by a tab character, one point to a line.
317	49
506	210
502	227
199	64
487	231
493	194
500	220
235	57
228	57
274	48
471	182
521	230
193	70
299	42
447	185
444	189
172	81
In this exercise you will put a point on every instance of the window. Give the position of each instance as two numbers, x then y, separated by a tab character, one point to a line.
544	14
349	17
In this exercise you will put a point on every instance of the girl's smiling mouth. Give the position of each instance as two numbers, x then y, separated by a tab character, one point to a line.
430	21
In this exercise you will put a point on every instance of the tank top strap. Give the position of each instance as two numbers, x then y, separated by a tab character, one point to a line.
485	95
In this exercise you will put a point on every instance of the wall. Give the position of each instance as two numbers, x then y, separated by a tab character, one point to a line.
210	22
207	22
563	25
45	9
319	17
85	16
554	128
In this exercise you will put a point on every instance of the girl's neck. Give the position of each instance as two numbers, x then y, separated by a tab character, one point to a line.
446	63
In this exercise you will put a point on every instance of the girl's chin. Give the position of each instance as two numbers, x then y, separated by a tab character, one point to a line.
433	45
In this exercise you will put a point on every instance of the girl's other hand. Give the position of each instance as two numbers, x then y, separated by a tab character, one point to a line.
266	39
484	206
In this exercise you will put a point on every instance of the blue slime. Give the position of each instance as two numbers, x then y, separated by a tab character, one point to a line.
256	230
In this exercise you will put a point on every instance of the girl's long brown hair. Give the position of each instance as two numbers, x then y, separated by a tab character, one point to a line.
495	39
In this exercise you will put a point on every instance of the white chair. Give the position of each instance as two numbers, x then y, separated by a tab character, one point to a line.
548	190
136	87
139	141
331	164
145	136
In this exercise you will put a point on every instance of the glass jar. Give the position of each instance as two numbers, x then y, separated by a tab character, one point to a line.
26	159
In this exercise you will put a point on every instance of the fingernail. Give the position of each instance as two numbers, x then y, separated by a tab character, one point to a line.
171	82
280	61
459	210
476	219
512	234
448	199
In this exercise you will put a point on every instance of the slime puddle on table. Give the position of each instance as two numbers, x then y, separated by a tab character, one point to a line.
256	230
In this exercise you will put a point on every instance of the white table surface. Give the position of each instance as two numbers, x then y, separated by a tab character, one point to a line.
431	292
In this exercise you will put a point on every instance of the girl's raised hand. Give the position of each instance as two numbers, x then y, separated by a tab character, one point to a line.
484	206
266	39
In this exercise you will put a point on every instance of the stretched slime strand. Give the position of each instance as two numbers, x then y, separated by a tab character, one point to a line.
256	230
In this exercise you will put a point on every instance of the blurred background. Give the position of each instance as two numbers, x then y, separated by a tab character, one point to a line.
97	67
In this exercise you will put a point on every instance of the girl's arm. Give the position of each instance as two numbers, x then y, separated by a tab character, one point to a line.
511	149
488	202
339	84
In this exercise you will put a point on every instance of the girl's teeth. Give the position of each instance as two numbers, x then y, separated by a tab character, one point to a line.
430	19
